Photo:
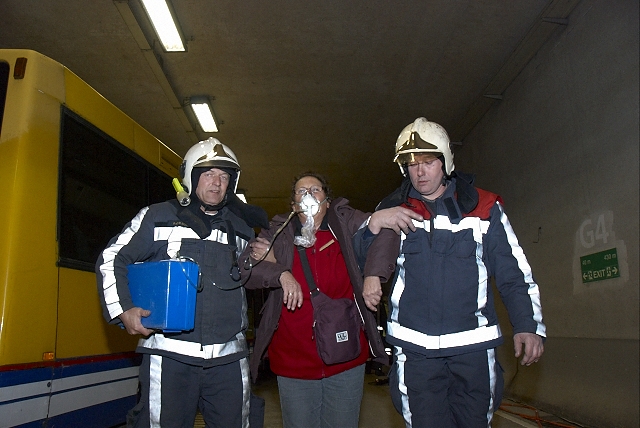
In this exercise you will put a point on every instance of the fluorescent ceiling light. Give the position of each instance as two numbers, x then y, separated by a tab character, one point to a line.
203	113
166	28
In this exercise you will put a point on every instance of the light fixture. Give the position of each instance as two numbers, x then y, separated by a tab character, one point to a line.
204	113
165	24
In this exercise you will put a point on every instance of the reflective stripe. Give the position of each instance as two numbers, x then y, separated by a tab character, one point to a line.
425	224
401	359
193	349
398	289
175	234
219	236
491	359
111	297
155	390
525	268
469	337
246	392
241	244
477	225
483	284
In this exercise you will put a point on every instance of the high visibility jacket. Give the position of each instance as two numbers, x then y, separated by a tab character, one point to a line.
162	232
441	301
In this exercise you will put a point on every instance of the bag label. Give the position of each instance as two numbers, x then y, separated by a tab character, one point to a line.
342	336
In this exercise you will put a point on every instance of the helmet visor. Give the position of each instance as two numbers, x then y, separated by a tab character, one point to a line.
416	143
407	158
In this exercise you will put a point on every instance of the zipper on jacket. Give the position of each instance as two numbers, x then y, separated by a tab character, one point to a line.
431	220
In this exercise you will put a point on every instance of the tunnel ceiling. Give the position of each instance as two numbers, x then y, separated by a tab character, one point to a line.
296	84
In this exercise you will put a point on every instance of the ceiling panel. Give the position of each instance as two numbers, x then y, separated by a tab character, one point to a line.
298	84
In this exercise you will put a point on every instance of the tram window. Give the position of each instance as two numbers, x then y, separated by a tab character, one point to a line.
102	186
4	82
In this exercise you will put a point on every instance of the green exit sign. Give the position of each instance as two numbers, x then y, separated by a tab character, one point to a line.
600	266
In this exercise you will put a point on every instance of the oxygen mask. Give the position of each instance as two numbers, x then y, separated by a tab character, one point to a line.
309	206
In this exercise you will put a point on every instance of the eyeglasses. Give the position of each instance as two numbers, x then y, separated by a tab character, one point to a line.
312	190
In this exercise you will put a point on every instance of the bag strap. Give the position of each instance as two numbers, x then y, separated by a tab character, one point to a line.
307	271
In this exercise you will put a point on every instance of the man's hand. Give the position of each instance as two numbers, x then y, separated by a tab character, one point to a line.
259	248
372	292
293	297
533	347
396	218
131	320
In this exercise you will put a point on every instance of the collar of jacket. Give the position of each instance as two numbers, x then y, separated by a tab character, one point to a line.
297	224
195	218
466	194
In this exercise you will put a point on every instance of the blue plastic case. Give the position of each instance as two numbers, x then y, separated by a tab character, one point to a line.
168	289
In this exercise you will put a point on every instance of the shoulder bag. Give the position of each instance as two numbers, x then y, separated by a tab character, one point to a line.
336	322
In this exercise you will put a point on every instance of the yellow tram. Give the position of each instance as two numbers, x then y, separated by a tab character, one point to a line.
74	169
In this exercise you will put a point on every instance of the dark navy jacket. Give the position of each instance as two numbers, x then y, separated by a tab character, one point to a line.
441	301
167	231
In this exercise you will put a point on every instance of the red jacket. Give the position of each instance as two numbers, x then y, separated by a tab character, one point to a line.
292	351
343	221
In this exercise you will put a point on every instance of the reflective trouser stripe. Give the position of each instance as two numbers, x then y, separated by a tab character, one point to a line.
493	367
458	390
246	391
402	386
155	390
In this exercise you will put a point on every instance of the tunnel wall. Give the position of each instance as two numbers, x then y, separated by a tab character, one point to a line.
561	148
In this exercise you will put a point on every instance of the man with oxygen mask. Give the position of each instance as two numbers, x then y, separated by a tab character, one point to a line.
319	230
205	368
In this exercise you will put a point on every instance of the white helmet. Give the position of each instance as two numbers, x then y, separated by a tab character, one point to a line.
212	153
423	136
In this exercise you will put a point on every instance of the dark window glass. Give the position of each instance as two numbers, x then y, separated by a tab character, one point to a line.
4	82
103	185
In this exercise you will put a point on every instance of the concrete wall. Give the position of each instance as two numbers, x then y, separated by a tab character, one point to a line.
562	150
